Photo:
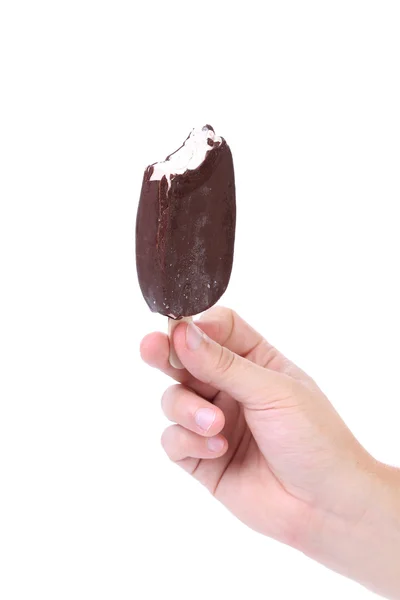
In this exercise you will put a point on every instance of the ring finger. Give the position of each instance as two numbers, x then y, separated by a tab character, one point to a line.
193	412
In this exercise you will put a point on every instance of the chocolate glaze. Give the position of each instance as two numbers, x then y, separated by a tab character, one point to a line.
185	236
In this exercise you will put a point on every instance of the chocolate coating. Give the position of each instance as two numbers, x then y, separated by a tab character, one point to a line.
185	235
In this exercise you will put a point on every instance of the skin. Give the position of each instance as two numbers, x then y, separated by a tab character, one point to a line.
261	436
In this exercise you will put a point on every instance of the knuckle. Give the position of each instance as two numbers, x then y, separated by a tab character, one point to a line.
269	355
168	397
225	361
165	439
225	316
175	443
216	312
168	441
165	402
226	312
228	316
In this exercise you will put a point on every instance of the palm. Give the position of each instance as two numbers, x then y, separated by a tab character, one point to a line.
242	476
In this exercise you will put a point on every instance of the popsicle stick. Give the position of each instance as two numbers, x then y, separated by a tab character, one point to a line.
173	357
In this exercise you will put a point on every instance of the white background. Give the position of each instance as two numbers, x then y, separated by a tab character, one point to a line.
307	95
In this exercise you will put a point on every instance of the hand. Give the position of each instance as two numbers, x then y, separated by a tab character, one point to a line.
270	446
260	434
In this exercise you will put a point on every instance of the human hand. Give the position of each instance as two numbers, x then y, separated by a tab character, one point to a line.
260	434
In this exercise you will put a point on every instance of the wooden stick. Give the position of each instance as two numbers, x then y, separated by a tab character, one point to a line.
173	357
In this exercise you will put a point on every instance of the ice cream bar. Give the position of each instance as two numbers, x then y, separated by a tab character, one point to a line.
185	226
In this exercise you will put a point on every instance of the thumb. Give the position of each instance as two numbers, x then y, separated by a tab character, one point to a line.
218	366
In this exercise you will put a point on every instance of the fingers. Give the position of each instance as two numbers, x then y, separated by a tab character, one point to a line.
220	324
154	350
179	444
192	412
225	370
224	326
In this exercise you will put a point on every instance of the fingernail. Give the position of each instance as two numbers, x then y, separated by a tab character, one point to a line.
215	444
194	336
204	418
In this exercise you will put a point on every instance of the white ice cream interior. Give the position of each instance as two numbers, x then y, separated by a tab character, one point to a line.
189	157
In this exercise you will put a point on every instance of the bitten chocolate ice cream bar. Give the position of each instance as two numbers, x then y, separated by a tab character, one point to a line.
185	227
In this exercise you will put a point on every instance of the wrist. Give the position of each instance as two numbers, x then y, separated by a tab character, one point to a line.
361	539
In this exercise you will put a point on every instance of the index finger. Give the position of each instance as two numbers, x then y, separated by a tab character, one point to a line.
154	350
220	324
